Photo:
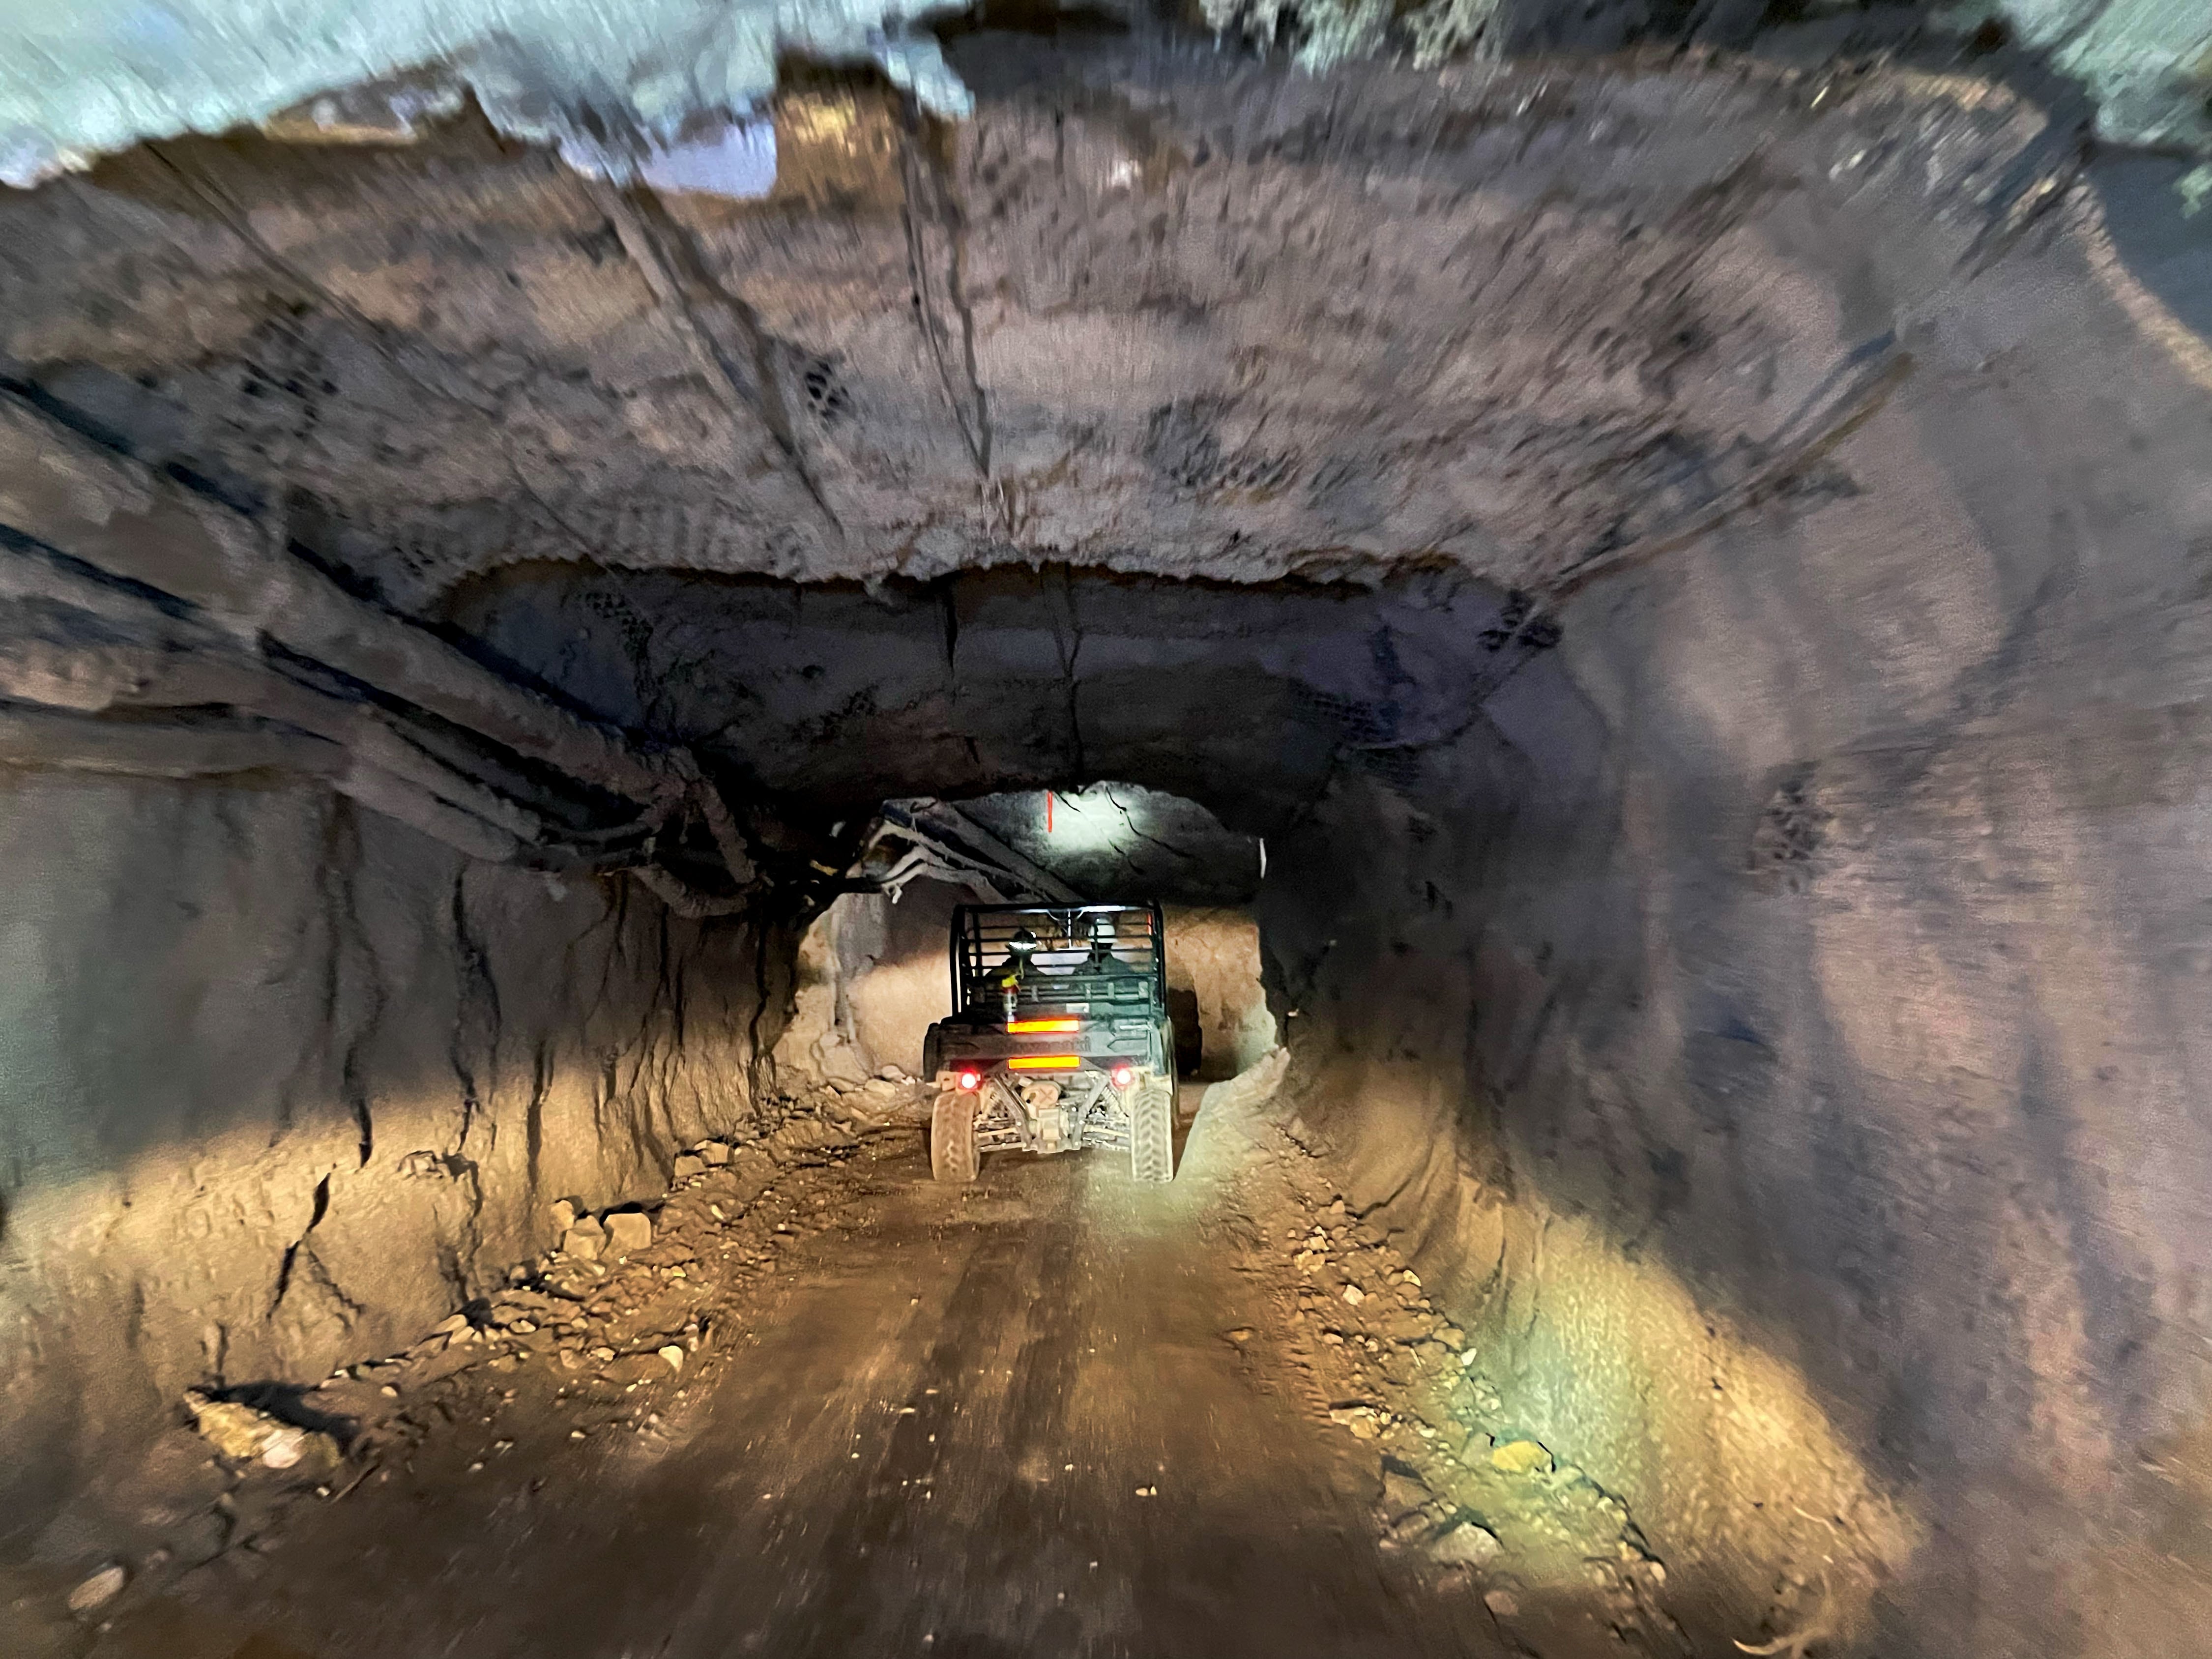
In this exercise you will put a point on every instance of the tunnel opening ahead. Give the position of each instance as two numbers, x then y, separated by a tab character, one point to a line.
872	969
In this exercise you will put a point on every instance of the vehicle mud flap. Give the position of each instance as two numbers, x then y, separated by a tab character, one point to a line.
1151	1129
952	1154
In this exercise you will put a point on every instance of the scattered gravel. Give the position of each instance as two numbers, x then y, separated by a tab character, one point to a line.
1463	1488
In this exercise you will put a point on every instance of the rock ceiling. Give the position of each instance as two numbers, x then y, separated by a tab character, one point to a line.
1150	310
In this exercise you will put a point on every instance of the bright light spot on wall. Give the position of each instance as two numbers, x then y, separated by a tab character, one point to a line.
1092	822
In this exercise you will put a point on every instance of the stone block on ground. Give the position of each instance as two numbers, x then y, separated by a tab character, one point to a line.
1522	1457
809	1135
100	1589
628	1231
245	1435
635	1368
1466	1545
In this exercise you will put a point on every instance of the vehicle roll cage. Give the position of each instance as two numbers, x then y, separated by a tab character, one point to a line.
1064	967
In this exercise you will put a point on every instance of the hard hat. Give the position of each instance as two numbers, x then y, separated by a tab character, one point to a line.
1023	942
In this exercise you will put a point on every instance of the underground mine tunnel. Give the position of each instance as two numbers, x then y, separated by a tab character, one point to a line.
1637	587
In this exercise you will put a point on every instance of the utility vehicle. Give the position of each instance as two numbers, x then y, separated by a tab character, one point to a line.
1060	1038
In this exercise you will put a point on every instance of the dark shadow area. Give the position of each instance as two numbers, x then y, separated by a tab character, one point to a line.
1190	1045
287	1402
1063	24
2166	249
1242	698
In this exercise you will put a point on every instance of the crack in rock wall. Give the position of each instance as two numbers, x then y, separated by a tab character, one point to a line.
282	1083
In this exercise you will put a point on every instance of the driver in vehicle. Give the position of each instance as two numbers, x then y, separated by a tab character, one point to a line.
1102	959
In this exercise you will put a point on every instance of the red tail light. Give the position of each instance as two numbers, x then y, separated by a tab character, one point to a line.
1124	1076
971	1081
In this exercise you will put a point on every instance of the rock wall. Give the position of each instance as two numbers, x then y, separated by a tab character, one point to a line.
282	1083
871	978
1587	1332
1781	1026
1213	955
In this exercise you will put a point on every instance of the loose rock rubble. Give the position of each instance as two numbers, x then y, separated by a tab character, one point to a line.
584	1340
1464	1492
626	1296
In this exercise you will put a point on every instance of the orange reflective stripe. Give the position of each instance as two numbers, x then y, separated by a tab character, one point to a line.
1045	1063
1044	1025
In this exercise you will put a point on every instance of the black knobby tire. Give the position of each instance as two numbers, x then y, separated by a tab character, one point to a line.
952	1154
1151	1129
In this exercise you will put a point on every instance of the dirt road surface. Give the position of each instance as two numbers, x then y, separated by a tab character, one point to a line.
1053	1413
